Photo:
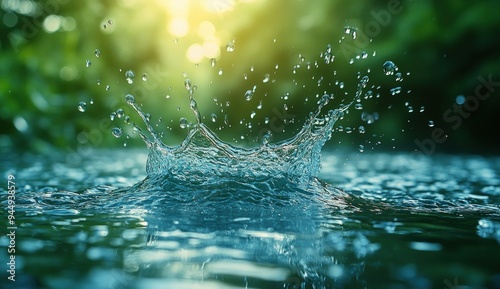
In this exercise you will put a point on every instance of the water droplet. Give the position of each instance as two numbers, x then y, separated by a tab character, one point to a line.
422	108
399	77
193	104
266	78
266	138
460	100
129	98
358	106
364	81
430	123
252	114
259	106
129	76
183	123
389	68
220	72
120	113
127	119
213	117
364	55
117	132
395	90
144	77
108	87
361	148
324	100
112	115
212	62
248	95
97	53
91	101
88	63
361	129
98	82
187	84
82	106
230	46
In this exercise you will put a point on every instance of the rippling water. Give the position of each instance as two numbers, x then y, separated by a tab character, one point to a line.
370	220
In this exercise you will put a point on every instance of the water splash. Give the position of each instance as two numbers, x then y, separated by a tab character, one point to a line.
202	153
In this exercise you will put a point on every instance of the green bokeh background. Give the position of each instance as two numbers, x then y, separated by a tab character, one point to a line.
443	45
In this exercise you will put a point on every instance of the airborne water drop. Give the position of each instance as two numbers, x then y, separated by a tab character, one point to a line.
130	76
389	68
82	106
117	132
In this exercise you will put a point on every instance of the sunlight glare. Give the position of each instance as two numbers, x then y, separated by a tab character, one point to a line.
178	26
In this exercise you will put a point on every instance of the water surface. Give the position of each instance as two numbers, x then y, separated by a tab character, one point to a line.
370	220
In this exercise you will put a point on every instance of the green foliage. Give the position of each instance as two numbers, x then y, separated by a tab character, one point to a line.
444	45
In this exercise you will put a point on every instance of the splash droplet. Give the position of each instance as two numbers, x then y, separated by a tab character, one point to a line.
82	106
130	76
88	63
430	123
396	90
112	116
266	138
230	46
361	148
266	78
183	123
144	77
97	53
129	98
389	68
213	117
212	62
187	84
117	132
120	113
248	95
399	77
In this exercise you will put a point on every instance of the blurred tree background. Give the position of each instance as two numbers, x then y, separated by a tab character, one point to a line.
258	65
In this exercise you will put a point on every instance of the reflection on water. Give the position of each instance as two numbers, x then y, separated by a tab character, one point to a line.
394	223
